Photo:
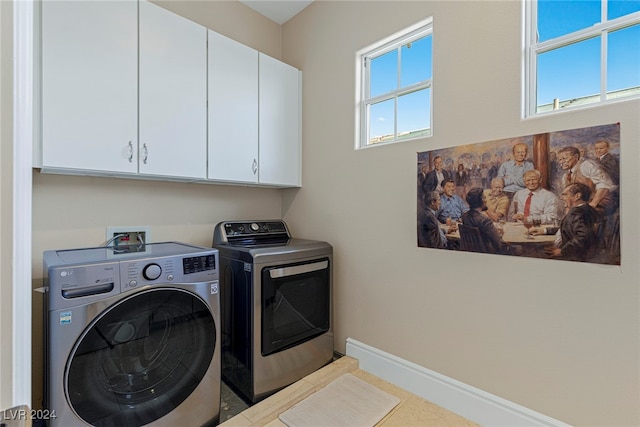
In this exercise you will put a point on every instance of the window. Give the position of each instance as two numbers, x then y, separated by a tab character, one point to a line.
580	52
394	90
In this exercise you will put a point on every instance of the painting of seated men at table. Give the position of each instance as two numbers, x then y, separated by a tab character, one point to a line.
553	195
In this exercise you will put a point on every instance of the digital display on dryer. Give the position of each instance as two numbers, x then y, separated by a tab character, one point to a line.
198	264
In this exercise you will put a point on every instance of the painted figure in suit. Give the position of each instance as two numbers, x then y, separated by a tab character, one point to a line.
430	235
577	233
433	180
462	180
608	161
474	218
422	175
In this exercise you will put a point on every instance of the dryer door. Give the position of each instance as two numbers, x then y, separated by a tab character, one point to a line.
296	304
140	358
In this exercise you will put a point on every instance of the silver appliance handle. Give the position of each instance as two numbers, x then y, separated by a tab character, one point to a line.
277	273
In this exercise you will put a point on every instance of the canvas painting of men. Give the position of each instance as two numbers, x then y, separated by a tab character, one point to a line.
552	195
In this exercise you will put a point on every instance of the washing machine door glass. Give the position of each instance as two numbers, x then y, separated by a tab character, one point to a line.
140	358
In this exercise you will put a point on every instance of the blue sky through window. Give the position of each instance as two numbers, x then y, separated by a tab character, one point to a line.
624	58
387	75
570	72
574	71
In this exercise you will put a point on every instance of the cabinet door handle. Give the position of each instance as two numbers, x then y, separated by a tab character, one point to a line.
254	166
130	152
145	154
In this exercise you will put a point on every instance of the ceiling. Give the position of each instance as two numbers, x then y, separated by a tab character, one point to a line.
278	11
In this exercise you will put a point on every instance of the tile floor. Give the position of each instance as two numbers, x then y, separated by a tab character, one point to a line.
230	403
411	411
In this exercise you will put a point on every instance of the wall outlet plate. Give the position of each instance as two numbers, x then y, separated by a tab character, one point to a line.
121	236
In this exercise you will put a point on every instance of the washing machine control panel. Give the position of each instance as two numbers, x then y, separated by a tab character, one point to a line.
199	264
143	272
198	268
86	275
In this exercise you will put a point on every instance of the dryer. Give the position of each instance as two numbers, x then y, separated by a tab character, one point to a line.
276	306
132	336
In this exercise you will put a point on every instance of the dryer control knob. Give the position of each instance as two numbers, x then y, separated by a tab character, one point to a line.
152	272
254	226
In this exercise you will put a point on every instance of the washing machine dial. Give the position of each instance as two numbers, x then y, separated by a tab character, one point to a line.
254	226
152	271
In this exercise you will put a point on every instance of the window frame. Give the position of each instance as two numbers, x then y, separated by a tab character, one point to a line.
533	48
395	41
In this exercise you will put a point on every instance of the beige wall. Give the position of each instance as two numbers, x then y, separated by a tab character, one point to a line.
231	19
558	337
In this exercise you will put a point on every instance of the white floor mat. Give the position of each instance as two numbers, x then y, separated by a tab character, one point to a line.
347	401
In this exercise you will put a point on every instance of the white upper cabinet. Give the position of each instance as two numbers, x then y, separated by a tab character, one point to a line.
132	89
173	94
254	116
279	123
89	85
233	110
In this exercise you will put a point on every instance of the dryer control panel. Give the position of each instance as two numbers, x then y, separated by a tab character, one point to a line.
250	232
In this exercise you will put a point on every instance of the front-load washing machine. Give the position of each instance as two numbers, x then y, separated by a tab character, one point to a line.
132	336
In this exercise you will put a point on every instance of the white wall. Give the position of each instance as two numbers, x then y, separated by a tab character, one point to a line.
558	337
6	197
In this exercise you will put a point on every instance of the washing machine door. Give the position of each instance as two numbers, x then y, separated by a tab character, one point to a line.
140	358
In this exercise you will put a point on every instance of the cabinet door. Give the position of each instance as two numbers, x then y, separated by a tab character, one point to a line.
280	136
89	85
233	110
173	94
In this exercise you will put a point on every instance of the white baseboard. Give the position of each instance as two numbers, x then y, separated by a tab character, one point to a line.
463	399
